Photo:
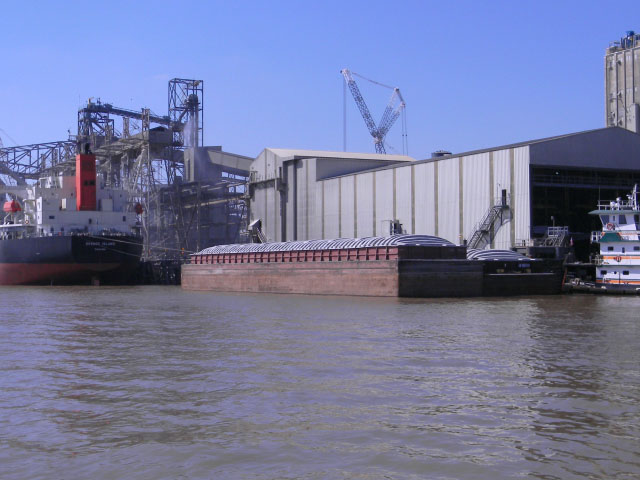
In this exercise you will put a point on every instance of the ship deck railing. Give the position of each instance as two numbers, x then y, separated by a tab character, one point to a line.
616	206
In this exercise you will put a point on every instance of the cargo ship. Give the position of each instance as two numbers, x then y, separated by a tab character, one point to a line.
69	229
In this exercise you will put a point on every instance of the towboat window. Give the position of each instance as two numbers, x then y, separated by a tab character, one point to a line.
625	272
605	219
610	249
636	248
603	272
622	219
623	250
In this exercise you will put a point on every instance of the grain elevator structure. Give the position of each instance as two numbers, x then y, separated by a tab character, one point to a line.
622	83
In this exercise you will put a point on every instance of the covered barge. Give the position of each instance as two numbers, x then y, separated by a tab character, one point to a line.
394	266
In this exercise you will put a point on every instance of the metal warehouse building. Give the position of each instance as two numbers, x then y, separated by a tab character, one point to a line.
494	198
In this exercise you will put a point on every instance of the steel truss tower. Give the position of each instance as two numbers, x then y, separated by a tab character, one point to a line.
186	111
145	154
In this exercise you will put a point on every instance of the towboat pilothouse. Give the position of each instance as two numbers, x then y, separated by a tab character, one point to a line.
618	265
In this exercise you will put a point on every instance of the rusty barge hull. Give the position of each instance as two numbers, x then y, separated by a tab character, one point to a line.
384	271
380	278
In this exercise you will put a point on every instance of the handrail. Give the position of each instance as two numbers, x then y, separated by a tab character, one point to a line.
484	226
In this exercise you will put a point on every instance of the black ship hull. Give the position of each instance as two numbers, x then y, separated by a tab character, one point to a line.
69	259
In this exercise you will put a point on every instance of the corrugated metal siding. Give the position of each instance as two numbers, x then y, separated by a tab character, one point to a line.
289	202
403	197
310	190
331	213
299	194
316	224
476	195
448	200
300	199
266	203
347	217
365	204
348	202
269	221
502	179
424	199
522	200
501	171
259	206
384	201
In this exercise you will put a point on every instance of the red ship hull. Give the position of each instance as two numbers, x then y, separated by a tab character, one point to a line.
53	273
69	260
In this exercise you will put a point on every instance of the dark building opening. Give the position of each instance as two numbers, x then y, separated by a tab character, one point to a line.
565	196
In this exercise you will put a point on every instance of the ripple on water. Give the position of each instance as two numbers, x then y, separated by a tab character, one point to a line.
154	382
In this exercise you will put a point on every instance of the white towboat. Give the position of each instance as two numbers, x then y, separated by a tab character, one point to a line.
618	265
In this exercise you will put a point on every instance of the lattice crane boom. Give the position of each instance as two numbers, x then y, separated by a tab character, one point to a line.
391	113
364	110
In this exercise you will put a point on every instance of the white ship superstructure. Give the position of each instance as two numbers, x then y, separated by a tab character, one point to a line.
618	265
67	229
51	207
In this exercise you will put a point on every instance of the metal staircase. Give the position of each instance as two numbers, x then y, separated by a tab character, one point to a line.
556	236
261	236
495	213
255	232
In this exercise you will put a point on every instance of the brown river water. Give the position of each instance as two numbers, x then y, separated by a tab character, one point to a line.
158	383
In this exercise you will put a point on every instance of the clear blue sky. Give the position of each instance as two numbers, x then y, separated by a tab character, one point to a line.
473	74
